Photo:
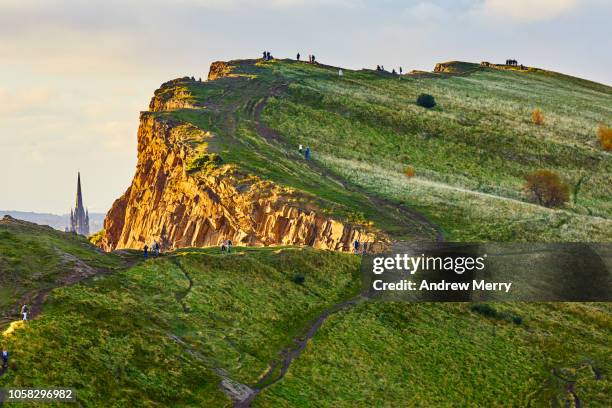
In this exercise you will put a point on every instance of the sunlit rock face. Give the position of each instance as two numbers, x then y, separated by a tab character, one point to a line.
171	202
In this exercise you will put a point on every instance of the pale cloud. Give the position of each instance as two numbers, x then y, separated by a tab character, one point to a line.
527	10
74	74
25	101
426	11
269	4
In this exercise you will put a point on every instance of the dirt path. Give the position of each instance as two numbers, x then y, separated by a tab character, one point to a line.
287	355
279	367
81	271
180	296
426	228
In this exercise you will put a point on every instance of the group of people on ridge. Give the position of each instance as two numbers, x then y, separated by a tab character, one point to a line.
226	246
155	249
311	58
381	68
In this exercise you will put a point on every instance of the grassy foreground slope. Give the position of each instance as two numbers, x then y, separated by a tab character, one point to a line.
396	354
165	332
168	331
471	153
34	259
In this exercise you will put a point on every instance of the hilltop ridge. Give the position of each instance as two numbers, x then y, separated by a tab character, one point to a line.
218	159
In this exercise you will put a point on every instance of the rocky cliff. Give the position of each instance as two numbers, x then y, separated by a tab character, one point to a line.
184	196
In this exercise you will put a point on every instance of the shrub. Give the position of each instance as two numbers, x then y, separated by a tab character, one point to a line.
547	188
426	101
537	117
604	133
409	172
97	237
299	279
518	320
489	311
484	309
205	161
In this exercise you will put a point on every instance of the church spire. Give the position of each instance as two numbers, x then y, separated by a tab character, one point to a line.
79	196
79	217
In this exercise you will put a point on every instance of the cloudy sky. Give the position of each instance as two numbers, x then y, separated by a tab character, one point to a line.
75	74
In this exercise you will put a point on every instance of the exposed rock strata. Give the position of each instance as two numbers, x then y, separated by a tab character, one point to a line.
171	202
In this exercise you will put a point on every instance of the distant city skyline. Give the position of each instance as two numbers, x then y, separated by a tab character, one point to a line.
74	75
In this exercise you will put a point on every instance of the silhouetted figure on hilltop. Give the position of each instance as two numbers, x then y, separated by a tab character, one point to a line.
393	72
298	56
400	70
265	54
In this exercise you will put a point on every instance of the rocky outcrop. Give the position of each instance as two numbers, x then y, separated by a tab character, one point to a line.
183	196
444	67
172	95
219	69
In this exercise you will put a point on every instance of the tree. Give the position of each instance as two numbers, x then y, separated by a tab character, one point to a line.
604	133
537	117
547	188
426	101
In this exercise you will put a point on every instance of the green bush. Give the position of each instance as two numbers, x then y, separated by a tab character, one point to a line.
205	161
426	101
484	309
489	311
299	279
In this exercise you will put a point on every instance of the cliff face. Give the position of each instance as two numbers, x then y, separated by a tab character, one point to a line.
182	197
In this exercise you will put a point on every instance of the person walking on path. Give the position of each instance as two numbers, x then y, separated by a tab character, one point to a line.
156	248
229	246
356	246
146	251
24	313
5	359
307	153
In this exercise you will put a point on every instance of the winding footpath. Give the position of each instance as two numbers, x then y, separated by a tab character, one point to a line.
287	355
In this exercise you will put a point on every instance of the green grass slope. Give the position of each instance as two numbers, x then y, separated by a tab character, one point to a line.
160	333
167	331
35	259
471	153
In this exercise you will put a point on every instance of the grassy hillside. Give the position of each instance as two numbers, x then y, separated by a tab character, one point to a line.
35	259
471	153
443	355
167	331
179	330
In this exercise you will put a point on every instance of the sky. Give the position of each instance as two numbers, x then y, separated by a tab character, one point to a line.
74	75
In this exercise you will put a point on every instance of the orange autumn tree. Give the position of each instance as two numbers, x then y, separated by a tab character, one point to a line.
604	134
537	116
547	188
